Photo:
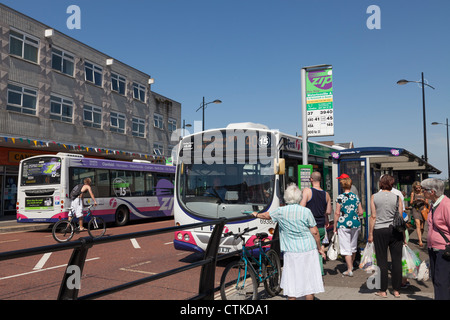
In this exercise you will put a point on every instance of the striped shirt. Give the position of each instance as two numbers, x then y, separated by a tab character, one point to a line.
294	222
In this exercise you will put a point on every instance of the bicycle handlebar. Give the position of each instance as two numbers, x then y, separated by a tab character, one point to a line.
240	234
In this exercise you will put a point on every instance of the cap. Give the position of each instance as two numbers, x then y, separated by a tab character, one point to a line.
343	176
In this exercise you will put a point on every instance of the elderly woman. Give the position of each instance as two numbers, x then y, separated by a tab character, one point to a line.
438	219
348	209
383	205
300	242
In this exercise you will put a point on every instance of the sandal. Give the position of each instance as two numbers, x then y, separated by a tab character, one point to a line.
348	273
381	294
396	294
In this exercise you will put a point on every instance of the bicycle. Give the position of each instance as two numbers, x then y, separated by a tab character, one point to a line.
64	230
240	279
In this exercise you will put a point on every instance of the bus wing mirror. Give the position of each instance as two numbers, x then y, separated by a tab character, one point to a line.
279	166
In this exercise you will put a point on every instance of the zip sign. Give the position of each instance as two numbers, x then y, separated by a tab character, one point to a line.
319	102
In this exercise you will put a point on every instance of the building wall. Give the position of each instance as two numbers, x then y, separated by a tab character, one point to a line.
47	81
23	135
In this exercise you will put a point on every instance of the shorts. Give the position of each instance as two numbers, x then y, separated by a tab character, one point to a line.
77	208
348	240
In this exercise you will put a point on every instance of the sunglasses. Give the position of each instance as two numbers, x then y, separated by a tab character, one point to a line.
426	190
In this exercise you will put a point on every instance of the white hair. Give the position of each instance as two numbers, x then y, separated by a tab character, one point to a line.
292	194
434	184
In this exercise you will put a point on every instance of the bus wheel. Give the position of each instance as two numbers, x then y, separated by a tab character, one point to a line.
122	216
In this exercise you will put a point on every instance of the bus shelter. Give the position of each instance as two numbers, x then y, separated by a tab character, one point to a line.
366	165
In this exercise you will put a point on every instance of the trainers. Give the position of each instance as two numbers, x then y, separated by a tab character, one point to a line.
348	273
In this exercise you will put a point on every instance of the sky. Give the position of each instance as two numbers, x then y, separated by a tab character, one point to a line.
249	54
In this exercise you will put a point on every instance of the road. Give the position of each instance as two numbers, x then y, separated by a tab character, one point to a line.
107	265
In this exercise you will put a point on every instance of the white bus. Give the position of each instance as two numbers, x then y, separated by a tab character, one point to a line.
236	170
124	190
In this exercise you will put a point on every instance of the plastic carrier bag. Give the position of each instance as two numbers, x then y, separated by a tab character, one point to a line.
368	259
424	271
410	263
333	249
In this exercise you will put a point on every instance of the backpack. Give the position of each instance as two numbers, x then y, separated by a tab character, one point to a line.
76	191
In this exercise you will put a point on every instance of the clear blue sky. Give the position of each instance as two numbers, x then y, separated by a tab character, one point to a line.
249	53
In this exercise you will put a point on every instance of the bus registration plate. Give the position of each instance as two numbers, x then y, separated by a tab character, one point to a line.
224	249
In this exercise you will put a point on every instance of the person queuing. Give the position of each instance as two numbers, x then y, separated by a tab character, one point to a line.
348	210
319	202
438	220
300	244
383	205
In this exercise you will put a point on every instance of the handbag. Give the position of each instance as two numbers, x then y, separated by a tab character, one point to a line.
333	250
398	223
424	212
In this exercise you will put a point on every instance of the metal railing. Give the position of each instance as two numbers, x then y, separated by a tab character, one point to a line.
81	247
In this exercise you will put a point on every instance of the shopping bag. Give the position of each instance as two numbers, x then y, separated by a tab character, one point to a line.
333	249
410	263
424	271
368	259
325	238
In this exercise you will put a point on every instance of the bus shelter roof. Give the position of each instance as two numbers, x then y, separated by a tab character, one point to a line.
396	159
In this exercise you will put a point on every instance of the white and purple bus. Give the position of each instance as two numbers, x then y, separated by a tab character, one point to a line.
124	190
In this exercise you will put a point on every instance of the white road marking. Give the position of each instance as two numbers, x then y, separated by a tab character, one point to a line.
138	271
40	270
135	244
43	260
168	243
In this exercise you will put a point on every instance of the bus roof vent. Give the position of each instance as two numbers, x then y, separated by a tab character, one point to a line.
247	125
73	155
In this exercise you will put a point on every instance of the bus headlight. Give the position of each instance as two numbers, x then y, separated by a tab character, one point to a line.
186	237
180	236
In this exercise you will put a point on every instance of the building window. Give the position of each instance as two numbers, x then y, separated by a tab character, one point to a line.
61	109
92	116
21	99
117	122
93	73
63	61
158	149
138	127
138	91
118	83
158	121
23	45
172	125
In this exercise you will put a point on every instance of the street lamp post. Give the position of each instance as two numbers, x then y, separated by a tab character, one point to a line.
448	147
402	82
203	106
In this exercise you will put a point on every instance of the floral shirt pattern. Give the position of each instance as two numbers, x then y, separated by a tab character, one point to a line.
349	211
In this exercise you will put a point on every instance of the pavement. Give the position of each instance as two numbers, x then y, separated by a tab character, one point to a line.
339	287
9	224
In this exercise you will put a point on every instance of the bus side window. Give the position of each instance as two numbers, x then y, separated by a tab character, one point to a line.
139	184
149	185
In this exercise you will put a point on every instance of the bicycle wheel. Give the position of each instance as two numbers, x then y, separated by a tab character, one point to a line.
237	284
62	231
96	227
272	273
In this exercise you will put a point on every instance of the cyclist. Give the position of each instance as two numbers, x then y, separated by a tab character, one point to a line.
77	203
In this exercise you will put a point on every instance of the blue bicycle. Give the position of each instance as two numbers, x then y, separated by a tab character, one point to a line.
240	279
